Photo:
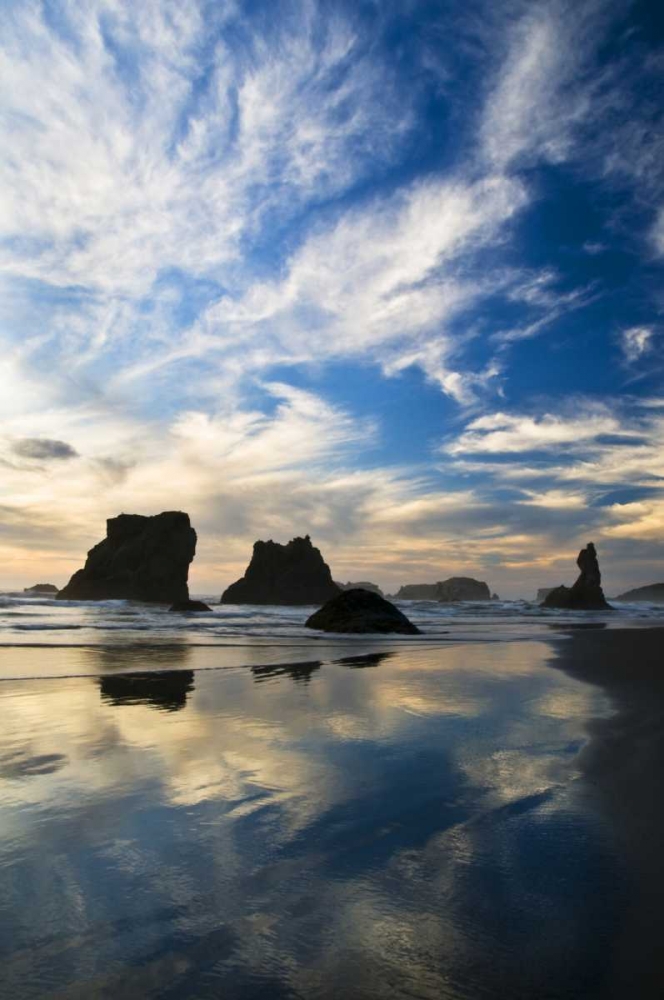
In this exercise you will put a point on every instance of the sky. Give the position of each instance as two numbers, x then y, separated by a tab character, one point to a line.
387	273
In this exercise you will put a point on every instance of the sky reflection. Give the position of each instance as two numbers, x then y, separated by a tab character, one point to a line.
413	827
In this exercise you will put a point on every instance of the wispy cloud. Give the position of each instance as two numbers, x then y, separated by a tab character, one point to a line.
635	342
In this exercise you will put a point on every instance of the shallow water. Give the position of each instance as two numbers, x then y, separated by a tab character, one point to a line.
404	822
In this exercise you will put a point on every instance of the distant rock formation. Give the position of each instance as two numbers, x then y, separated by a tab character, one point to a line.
360	611
41	588
653	593
495	597
586	593
186	606
283	574
542	593
416	592
462	588
361	585
141	559
457	588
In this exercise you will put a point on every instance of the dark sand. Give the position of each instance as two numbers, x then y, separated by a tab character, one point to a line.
624	765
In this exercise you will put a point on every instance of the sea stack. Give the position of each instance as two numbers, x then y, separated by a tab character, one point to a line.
41	588
361	611
283	574
456	588
586	593
141	559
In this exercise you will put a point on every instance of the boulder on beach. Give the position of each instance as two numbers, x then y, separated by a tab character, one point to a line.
456	588
295	573
360	611
141	559
41	588
586	593
652	593
186	606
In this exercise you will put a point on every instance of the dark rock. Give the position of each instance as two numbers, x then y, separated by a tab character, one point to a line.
361	585
416	592
586	593
185	606
462	588
495	597
457	588
653	593
542	593
360	611
283	574
141	559
41	588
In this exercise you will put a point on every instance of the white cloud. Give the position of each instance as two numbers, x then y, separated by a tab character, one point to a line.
635	342
504	433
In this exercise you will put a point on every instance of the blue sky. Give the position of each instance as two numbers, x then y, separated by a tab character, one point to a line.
389	273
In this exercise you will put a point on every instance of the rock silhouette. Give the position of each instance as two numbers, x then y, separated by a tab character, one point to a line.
543	593
457	588
41	588
360	611
185	606
586	593
295	573
653	593
141	559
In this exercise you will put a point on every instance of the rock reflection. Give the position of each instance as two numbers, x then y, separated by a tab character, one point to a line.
298	672
165	690
364	660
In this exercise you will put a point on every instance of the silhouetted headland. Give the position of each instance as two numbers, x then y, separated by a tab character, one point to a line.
41	588
141	559
586	592
360	611
653	593
295	573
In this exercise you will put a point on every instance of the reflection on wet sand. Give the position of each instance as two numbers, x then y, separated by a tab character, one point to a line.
407	831
298	672
163	689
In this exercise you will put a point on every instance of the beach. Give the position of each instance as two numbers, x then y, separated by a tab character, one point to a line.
452	818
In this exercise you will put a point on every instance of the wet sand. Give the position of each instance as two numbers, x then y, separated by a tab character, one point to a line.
623	765
426	821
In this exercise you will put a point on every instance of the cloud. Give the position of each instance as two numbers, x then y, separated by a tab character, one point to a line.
503	433
43	449
635	342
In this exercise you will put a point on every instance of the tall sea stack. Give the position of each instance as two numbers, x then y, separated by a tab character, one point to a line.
586	593
141	559
284	574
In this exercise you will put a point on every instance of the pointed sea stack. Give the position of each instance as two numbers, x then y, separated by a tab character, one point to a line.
283	574
361	611
586	594
141	559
